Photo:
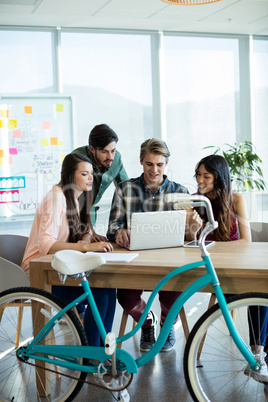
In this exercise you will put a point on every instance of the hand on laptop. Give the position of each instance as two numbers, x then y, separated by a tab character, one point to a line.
122	237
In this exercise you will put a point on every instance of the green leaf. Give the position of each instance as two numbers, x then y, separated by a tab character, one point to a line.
244	164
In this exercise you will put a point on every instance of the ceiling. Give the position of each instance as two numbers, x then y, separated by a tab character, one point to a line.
225	16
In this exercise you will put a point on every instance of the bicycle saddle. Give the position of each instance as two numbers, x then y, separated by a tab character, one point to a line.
71	262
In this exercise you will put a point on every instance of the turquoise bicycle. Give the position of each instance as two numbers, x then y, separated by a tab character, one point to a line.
44	354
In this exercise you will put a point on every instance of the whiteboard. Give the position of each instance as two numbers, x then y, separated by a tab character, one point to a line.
36	132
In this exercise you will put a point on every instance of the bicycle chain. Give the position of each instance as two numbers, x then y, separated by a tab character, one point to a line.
71	377
63	374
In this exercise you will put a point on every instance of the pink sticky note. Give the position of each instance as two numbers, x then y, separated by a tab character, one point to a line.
8	160
46	125
16	133
13	151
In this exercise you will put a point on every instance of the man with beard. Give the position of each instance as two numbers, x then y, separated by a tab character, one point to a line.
107	164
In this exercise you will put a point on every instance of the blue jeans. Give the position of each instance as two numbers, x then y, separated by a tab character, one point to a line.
105	300
258	323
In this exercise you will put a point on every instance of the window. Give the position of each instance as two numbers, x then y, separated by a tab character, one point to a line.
202	89
114	78
26	61
110	75
260	121
260	88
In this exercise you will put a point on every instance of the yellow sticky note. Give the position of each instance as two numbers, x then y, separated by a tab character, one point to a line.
59	107
2	153
62	157
4	113
54	141
12	124
28	109
59	142
1	161
2	123
44	142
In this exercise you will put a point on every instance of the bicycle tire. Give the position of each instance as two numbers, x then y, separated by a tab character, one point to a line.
218	375
17	378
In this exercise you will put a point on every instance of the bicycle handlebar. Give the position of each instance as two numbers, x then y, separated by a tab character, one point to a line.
186	201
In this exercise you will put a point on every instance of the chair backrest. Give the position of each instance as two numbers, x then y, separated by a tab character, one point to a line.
259	231
12	275
12	247
11	253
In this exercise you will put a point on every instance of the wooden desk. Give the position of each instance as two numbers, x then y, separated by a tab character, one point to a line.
241	267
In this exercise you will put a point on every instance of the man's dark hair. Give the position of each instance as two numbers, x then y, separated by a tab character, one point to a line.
101	136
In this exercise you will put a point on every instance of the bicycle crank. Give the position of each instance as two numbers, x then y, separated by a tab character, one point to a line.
117	382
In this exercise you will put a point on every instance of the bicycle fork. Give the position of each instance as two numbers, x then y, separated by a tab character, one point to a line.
244	350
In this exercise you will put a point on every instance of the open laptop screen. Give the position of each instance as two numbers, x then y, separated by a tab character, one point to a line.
159	229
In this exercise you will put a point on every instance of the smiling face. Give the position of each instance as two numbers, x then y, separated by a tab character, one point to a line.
153	169
205	181
104	156
83	178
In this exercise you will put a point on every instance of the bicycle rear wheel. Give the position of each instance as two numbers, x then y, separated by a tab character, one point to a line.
218	375
20	381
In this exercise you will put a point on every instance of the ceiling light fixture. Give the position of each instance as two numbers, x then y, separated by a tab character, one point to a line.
190	2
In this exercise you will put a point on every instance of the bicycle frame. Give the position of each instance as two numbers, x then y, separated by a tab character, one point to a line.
68	354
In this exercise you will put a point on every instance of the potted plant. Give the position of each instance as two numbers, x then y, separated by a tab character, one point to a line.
244	163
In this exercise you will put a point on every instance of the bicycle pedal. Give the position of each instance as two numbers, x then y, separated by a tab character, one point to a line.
96	378
122	396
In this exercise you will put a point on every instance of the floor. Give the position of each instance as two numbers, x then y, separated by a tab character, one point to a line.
162	379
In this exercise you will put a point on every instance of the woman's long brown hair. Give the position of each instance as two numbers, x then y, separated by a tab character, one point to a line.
79	222
222	204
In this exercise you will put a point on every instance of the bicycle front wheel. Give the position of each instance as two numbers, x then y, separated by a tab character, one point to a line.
23	312
213	366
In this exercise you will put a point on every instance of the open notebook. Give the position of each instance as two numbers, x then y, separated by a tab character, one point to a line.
119	257
160	229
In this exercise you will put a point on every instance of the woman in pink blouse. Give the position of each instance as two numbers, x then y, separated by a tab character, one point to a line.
62	221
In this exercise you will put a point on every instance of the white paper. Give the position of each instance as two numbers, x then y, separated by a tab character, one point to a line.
119	257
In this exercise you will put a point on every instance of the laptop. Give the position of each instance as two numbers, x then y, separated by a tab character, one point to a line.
161	229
